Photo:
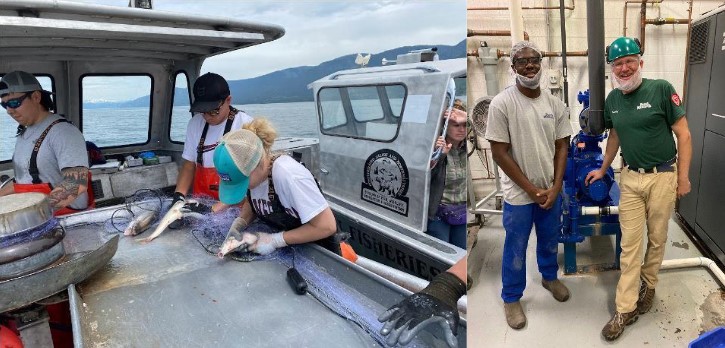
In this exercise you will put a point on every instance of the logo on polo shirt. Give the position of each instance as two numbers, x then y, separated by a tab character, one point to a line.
549	116
644	105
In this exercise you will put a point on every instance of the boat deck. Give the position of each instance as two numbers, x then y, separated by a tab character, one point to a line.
173	292
688	301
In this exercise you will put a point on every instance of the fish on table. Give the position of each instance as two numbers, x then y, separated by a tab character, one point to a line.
235	240
141	223
176	212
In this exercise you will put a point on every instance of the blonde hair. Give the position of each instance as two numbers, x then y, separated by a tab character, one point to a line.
264	130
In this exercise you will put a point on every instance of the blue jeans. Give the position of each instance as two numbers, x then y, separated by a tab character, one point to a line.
454	234
517	221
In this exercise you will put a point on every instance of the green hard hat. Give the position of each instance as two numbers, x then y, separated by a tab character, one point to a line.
623	46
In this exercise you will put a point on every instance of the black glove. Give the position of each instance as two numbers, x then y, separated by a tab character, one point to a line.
178	196
193	207
434	304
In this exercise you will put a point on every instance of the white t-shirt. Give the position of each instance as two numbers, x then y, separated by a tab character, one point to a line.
531	126
213	135
296	188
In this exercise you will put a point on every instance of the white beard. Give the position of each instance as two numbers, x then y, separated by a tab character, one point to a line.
529	82
630	85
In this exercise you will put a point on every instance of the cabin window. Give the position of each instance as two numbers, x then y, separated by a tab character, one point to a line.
368	112
180	114
116	109
8	126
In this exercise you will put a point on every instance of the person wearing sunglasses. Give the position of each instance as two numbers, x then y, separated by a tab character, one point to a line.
642	114
447	196
213	116
50	153
529	133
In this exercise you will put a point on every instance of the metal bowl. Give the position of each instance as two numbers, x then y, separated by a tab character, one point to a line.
22	211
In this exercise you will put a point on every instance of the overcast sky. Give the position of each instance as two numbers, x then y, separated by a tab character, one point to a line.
317	31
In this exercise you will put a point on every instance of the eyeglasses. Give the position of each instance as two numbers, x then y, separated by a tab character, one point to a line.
522	62
216	111
632	63
15	102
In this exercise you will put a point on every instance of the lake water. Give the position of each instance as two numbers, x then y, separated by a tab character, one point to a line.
111	127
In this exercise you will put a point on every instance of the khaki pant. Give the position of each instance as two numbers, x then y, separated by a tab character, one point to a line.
645	198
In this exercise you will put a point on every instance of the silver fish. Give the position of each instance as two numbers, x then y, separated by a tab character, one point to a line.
141	222
174	213
236	240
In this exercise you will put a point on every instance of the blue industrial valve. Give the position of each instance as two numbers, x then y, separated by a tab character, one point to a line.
585	155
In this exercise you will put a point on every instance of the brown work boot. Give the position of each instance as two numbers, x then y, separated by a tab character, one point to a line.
515	316
646	297
557	288
615	326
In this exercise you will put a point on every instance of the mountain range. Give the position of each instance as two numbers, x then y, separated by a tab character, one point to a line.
290	85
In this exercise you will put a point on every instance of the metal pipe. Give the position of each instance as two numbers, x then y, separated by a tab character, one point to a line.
642	23
602	211
490	63
405	280
687	51
517	22
564	53
624	27
477	32
697	262
501	54
595	41
499	8
663	21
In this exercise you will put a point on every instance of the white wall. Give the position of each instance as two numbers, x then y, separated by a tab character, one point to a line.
665	45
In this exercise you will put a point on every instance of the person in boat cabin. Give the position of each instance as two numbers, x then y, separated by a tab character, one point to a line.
213	117
529	133
276	189
447	195
50	153
437	304
642	114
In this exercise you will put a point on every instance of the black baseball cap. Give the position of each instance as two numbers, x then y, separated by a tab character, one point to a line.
209	90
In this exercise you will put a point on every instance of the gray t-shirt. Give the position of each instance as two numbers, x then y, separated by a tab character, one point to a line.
63	147
531	126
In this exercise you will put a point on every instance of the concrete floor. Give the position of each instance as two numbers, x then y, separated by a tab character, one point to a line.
687	303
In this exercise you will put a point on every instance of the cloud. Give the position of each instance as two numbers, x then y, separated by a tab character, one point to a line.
318	31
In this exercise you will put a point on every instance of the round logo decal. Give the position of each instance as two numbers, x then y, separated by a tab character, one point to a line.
386	181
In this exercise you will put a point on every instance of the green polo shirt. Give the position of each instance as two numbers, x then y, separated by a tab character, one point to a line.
643	121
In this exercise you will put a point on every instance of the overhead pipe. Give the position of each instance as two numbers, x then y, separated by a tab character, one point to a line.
697	262
687	50
564	53
595	41
663	21
517	22
476	32
501	54
624	27
642	24
499	8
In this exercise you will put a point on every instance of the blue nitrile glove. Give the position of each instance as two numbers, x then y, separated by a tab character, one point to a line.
434	304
